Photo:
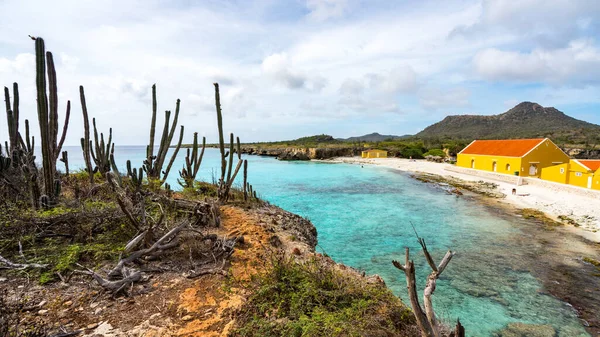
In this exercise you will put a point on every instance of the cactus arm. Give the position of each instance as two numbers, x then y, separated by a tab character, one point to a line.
230	160
7	98
166	173
114	166
86	140
230	181
199	160
161	148
53	106
16	106
150	149
65	127
220	126
245	183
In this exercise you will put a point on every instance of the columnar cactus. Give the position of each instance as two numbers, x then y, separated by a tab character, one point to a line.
136	176
47	110
101	156
21	153
85	141
154	163
12	116
227	175
193	160
245	183
65	160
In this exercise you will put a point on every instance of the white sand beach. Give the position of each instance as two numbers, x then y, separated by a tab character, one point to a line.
585	210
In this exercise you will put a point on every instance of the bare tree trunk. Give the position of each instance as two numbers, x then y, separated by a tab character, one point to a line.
426	320
411	285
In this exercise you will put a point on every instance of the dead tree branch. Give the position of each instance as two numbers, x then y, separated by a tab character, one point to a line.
426	319
19	266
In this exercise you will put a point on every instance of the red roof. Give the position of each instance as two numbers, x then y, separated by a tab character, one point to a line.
591	164
504	148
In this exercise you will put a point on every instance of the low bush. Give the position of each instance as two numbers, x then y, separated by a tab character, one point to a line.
315	299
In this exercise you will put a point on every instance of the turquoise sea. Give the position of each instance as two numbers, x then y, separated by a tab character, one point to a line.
363	217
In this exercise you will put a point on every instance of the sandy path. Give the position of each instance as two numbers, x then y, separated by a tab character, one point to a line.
584	210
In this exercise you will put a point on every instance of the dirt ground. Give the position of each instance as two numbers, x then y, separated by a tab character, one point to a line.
168	304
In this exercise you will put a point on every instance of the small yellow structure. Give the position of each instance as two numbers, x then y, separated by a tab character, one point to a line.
581	173
596	180
557	173
374	154
524	157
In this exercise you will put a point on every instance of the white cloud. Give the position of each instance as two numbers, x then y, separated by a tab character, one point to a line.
321	10
548	24
279	67
577	64
399	79
436	98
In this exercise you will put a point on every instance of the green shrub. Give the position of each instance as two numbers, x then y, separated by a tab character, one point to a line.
435	152
315	299
414	152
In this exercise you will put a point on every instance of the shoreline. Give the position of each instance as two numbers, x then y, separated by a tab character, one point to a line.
581	209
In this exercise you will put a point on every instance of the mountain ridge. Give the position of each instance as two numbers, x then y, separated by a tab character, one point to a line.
525	120
371	137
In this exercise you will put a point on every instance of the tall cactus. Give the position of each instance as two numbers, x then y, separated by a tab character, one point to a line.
154	163
245	183
20	152
47	110
85	141
192	164
12	116
227	175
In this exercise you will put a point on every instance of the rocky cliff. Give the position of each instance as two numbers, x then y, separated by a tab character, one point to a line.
301	153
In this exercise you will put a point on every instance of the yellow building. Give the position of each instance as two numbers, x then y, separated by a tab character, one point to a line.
374	154
596	180
582	173
524	157
557	173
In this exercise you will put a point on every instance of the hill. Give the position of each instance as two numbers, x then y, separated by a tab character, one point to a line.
525	120
372	137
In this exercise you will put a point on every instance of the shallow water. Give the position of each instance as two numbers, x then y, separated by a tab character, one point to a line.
364	216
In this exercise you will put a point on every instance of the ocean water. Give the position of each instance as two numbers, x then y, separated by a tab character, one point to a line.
364	218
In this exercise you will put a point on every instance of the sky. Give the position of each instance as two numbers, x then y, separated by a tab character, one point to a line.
295	68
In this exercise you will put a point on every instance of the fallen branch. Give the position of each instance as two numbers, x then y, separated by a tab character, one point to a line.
207	271
20	266
158	247
122	200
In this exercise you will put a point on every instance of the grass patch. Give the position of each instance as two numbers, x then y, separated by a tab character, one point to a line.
315	299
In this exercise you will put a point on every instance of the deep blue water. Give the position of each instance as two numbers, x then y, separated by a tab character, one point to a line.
363	218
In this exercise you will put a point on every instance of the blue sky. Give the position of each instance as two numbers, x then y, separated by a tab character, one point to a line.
294	68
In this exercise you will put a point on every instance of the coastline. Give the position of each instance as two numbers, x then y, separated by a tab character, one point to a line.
581	209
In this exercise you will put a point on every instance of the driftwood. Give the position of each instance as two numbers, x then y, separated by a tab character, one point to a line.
426	319
168	241
19	266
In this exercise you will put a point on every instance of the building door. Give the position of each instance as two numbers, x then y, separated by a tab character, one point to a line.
473	163
494	166
532	169
589	182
